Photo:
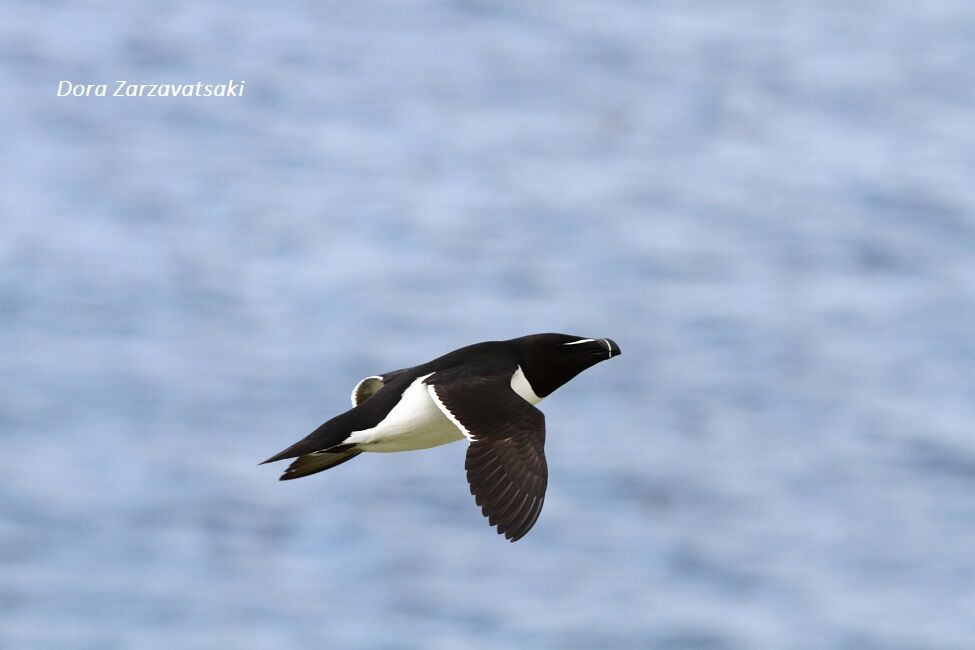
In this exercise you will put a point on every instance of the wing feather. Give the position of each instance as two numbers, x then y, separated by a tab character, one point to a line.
505	463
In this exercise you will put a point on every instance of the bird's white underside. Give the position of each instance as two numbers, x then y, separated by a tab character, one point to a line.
420	420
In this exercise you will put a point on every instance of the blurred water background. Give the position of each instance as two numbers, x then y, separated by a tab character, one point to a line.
770	206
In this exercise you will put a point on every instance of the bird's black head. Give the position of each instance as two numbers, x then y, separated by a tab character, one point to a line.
550	360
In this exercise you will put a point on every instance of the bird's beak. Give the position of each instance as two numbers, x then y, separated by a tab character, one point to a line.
603	348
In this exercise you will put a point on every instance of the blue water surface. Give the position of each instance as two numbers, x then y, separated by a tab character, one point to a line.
769	206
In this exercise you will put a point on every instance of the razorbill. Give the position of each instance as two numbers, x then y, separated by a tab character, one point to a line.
484	392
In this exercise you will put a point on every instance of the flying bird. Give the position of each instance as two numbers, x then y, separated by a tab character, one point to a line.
485	393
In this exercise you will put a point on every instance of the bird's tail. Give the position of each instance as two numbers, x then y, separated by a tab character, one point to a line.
327	437
318	461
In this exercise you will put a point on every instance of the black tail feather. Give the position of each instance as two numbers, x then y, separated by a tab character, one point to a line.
327	436
318	462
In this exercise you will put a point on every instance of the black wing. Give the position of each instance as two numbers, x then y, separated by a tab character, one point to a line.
372	385
505	463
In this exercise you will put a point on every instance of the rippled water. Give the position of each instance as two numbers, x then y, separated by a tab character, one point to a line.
769	207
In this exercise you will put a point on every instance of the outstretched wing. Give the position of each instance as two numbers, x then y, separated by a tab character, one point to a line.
366	389
371	385
505	463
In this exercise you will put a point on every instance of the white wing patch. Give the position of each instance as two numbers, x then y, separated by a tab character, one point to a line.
446	411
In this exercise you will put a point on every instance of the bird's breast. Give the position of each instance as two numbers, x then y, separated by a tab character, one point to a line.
520	384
